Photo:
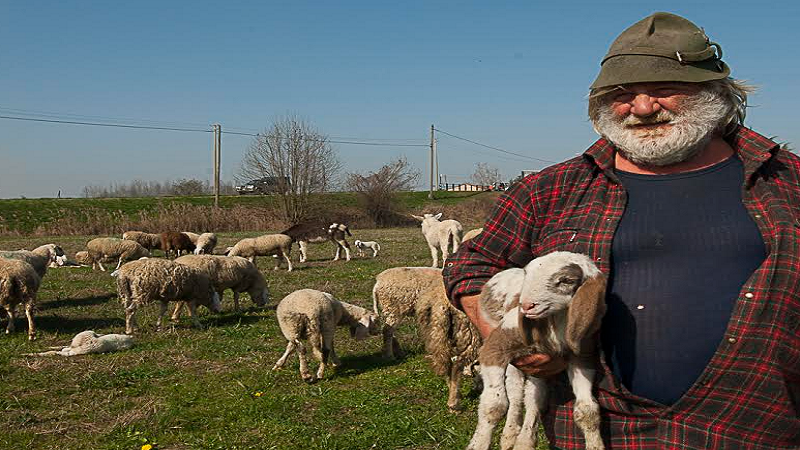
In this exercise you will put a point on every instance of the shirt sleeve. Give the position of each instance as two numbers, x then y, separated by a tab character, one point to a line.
503	243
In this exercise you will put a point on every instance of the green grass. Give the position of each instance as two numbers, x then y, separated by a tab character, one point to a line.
197	389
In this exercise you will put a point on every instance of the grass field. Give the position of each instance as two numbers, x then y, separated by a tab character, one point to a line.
184	388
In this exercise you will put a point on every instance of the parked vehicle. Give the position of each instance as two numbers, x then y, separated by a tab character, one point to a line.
265	185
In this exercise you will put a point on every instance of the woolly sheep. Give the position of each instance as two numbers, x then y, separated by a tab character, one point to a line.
177	242
451	341
317	232
314	315
192	236
363	245
205	244
553	306
150	241
268	244
440	235
40	258
113	248
19	283
87	342
146	280
471	234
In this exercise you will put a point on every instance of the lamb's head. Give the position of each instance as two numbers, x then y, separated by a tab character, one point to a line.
428	220
357	243
53	253
367	326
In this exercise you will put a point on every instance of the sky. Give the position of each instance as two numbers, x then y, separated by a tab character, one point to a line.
508	75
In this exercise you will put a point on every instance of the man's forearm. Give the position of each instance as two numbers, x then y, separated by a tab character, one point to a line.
471	308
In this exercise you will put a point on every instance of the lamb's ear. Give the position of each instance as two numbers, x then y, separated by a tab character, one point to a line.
438	216
418	217
585	313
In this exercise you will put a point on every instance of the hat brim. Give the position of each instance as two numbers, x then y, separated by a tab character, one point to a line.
626	69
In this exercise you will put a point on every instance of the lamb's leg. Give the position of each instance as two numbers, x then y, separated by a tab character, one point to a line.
31	326
102	269
176	314
162	310
303	245
445	253
454	387
343	244
130	319
119	264
535	401
235	300
586	410
434	255
388	340
492	406
290	347
193	313
323	352
11	316
374	251
288	261
301	355
515	389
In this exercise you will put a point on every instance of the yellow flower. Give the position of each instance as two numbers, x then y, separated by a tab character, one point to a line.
258	394
147	447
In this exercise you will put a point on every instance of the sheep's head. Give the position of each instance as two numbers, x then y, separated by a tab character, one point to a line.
260	296
367	326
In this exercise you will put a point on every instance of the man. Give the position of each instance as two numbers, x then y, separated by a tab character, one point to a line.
696	220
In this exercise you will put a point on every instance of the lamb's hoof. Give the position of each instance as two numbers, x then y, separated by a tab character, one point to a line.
309	378
455	409
31	337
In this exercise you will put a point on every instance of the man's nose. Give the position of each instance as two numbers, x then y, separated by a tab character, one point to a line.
644	105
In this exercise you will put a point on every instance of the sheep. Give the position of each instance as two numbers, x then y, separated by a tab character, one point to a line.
439	235
267	244
107	248
19	283
179	242
229	272
192	236
553	306
87	342
451	341
363	245
316	232
140	282
42	257
471	234
313	315
205	244
150	241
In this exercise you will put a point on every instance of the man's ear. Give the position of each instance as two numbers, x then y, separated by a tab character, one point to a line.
585	313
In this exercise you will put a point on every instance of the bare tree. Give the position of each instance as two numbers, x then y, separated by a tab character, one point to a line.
377	190
485	175
299	160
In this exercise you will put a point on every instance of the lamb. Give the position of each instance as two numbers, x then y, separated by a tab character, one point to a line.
150	241
471	234
175	241
363	245
140	282
111	248
229	272
315	232
205	244
268	244
451	341
554	306
19	283
87	342
40	258
313	315
440	235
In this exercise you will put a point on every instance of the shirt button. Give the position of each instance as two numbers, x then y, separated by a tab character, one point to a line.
732	340
757	216
449	264
749	295
598	259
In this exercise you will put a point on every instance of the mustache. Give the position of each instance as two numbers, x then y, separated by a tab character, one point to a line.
659	117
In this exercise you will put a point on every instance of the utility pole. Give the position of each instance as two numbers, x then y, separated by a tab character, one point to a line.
433	160
217	153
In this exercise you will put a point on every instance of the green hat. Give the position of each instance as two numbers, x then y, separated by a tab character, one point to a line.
661	47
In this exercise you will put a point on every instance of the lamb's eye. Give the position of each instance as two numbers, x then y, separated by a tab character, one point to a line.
568	280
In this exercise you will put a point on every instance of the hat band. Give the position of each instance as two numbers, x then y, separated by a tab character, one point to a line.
712	51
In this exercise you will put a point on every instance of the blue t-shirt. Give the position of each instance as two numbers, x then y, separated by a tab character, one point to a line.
684	248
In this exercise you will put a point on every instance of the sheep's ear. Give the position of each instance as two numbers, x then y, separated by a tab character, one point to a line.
585	313
418	217
438	216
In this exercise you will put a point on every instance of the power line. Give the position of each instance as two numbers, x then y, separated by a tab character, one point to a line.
116	125
71	116
377	144
494	148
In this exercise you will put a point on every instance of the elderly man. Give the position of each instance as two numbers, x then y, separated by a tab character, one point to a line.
696	220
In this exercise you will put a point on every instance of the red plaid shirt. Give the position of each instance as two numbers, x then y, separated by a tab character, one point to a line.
748	397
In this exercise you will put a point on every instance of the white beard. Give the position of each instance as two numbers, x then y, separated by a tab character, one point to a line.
692	127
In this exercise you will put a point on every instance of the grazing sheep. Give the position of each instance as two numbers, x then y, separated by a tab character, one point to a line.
113	248
87	342
146	280
82	258
471	234
40	258
268	244
316	232
175	241
553	306
363	245
192	236
150	241
205	244
451	341
314	315
440	235
229	272
19	283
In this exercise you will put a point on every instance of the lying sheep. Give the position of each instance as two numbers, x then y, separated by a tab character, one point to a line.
146	280
471	234
268	244
318	232
363	245
150	241
87	342
177	242
553	306
229	272
440	235
42	257
19	283
112	248
205	244
451	341
314	315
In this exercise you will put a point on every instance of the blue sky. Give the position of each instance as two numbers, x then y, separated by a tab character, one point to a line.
512	75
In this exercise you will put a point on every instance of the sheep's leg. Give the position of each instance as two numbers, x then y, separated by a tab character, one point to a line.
454	387
290	347
193	313
119	264
535	398
235	300
303	245
102	269
176	314
130	319
323	352
301	355
288	261
515	389
374	252
343	245
445	253
586	410
11	317
434	255
389	340
31	326
161	312
492	406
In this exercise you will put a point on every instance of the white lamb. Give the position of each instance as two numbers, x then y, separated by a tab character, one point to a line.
205	244
440	235
363	245
19	284
553	306
314	315
87	342
268	244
